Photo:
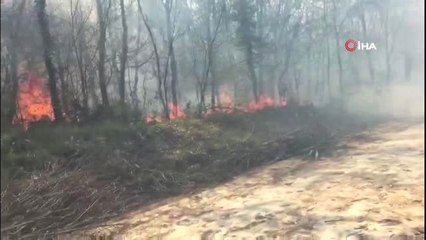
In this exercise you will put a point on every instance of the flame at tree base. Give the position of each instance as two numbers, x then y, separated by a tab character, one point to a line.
33	102
226	106
175	111
253	106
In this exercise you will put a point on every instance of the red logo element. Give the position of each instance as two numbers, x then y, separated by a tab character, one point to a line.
351	45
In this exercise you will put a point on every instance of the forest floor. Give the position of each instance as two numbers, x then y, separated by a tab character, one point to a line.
372	185
273	174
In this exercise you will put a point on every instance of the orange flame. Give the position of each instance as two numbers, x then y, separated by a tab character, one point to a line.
33	101
252	106
225	100
226	106
175	111
263	102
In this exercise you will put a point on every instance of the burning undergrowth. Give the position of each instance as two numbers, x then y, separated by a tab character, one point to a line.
101	170
33	101
225	105
34	104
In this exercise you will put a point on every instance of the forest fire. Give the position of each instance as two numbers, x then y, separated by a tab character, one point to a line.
263	102
174	112
33	101
226	106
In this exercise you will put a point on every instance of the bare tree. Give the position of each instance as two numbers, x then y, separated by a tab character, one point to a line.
327	43
338	49
102	49
12	48
78	33
157	68
48	57
168	6
368	55
245	11
123	57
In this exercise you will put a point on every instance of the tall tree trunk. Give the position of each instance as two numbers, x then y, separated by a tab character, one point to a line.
134	91
135	97
214	20
309	75
102	53
338	49
328	69
123	58
79	46
173	64
202	100
91	83
247	33
319	60
157	62
215	101
83	80
48	57
64	86
387	47
327	49
174	80
261	6
368	55
14	45
210	7
252	73
14	80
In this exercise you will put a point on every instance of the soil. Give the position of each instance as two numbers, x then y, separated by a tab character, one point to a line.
371	187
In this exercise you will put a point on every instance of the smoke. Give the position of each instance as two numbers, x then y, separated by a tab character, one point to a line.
399	99
400	96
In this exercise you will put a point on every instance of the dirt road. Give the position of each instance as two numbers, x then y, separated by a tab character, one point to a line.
372	186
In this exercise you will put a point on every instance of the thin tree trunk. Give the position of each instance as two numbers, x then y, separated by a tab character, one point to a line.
261	5
14	45
387	46
123	58
81	68
14	80
135	98
214	87
252	73
369	62
144	94
102	53
338	49
91	83
318	60
328	69
64	86
173	64
84	88
157	62
48	55
309	75
210	54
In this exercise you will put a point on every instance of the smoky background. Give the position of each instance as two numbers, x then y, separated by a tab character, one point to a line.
297	52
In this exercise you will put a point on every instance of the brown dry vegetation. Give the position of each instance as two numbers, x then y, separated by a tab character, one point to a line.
81	175
371	187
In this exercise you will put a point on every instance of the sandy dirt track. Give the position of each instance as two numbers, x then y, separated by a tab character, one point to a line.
371	188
